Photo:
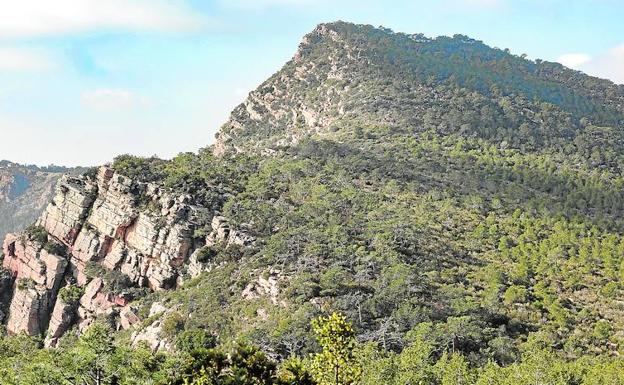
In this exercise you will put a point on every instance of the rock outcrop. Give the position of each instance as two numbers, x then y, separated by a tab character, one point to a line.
281	111
152	334
128	317
222	235
61	319
106	234
37	274
266	285
28	311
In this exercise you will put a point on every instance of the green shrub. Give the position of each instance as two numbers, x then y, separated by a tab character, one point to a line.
195	339
172	325
94	269
610	290
602	331
26	283
36	234
139	168
55	248
206	254
116	281
71	294
91	173
515	294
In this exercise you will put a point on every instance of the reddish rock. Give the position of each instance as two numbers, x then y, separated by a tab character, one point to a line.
29	311
26	259
103	221
61	320
128	317
91	291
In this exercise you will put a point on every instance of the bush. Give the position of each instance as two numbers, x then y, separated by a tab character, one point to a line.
37	234
515	294
93	269
91	173
172	325
26	283
610	290
71	294
139	168
205	254
55	248
602	331
195	339
116	281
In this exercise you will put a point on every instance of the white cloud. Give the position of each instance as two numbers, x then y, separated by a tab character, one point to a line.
609	65
479	3
574	60
17	59
260	4
112	99
34	18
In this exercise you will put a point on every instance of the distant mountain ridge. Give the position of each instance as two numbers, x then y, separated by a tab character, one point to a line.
24	192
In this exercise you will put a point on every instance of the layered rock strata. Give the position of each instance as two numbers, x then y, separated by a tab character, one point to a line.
96	230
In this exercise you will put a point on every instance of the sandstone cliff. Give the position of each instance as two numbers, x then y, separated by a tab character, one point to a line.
107	236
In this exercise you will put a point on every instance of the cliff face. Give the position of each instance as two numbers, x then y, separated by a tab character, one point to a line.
94	231
329	80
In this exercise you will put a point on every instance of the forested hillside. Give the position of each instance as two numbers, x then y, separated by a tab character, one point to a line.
460	206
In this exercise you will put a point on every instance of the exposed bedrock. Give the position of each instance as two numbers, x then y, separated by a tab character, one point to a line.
107	236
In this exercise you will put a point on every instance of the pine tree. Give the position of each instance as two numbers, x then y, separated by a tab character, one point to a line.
336	364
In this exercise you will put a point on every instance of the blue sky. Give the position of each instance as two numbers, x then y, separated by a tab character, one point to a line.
84	80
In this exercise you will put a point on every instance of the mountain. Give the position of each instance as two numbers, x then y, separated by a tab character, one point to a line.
460	205
350	74
24	193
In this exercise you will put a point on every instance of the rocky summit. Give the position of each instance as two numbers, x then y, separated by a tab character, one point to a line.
447	211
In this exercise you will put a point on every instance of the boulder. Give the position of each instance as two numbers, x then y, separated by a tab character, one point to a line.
128	317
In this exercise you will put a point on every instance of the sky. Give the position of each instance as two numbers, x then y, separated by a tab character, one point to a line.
82	81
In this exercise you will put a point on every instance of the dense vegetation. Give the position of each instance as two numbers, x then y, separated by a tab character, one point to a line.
493	243
463	212
95	358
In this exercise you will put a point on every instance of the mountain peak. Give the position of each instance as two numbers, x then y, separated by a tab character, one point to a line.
350	74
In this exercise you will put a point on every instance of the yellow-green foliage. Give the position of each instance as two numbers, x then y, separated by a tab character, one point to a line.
336	364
